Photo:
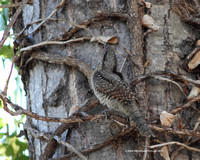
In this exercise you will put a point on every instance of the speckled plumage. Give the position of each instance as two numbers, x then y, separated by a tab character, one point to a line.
111	90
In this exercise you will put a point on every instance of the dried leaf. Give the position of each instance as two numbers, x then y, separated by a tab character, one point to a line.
198	43
146	63
185	86
73	109
195	61
84	26
164	153
194	92
180	125
106	39
149	22
166	119
146	4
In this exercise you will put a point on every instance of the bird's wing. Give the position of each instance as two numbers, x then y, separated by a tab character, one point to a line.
114	88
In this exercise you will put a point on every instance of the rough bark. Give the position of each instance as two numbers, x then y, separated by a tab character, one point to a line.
52	89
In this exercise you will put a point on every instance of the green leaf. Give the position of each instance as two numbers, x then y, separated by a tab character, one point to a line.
6	51
22	157
1	123
4	13
3	149
3	61
2	23
11	141
3	2
23	145
1	104
1	135
9	150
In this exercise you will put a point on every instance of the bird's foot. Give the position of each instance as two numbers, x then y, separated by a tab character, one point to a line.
107	112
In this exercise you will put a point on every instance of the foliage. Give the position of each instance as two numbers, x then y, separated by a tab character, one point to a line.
11	146
6	52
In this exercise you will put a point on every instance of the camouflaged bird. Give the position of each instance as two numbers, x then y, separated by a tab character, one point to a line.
111	90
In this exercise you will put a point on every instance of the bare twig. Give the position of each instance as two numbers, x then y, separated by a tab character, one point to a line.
70	147
171	81
175	153
35	133
177	143
19	110
10	5
183	132
173	75
61	4
98	18
73	92
145	148
52	143
7	30
7	81
120	70
197	49
188	104
52	19
16	4
58	59
5	107
29	48
99	146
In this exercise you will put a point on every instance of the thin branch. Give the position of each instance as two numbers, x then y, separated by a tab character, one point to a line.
183	132
15	16
99	146
58	59
73	92
50	148
8	79
5	107
171	81
61	4
19	110
177	143
120	70
190	55
53	19
98	18
175	153
36	134
164	73
145	148
31	47
186	105
10	5
70	147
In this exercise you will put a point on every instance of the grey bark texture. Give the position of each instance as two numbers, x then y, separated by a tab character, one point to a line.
52	89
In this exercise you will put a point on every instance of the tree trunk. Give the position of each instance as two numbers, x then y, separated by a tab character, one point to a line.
53	88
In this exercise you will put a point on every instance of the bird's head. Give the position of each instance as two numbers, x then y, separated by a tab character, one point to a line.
109	60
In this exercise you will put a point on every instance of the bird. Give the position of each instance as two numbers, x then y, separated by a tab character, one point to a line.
111	89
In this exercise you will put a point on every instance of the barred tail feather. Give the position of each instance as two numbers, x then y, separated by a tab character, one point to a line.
140	123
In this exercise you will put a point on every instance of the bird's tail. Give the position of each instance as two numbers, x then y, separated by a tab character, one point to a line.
142	126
